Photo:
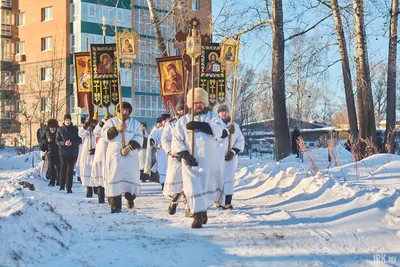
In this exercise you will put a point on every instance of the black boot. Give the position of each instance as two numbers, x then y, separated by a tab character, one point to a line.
197	222
118	201
204	217
228	201
100	194
115	204
129	200
89	192
95	190
172	208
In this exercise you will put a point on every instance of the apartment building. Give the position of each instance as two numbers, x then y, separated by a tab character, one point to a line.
38	40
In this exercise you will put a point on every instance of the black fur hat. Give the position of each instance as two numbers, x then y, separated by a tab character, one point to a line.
52	123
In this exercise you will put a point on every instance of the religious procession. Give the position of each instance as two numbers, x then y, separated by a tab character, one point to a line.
192	153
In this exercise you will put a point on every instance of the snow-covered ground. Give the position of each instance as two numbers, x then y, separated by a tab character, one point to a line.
290	213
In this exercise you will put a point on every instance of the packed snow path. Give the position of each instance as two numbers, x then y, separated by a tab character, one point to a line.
282	217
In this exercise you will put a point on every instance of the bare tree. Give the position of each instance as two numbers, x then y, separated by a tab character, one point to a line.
340	119
378	83
364	92
281	127
348	85
246	95
161	42
391	70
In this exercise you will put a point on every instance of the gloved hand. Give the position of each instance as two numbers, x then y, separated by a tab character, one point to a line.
121	127
231	129
86	124
230	155
190	160
200	126
126	149
192	125
134	144
152	142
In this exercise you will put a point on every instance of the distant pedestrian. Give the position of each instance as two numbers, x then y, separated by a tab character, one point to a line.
49	146
68	142
295	138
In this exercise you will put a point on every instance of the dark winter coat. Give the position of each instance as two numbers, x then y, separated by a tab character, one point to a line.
52	147
65	133
295	135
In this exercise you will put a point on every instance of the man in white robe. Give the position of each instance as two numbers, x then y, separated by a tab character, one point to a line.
87	154
173	187
229	158
162	157
97	175
151	164
142	153
201	170
122	173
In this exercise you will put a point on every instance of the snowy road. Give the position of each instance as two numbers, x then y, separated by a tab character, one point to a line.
282	217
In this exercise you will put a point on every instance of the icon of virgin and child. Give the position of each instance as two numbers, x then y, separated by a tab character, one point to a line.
173	84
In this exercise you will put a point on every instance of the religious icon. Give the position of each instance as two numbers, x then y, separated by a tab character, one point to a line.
212	64
83	72
106	64
171	75
229	54
127	47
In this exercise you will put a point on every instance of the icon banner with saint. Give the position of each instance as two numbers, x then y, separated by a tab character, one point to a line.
105	73
212	73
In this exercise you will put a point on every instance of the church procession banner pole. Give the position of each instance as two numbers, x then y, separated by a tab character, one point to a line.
193	49
126	56
230	59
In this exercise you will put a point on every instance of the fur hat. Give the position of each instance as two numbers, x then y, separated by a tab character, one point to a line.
180	105
165	116
52	123
200	95
67	117
159	119
222	108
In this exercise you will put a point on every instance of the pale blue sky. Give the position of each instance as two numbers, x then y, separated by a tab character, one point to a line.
256	53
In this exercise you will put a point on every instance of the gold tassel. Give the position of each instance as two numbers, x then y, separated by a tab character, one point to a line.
96	114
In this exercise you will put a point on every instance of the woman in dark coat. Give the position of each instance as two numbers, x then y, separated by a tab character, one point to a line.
48	144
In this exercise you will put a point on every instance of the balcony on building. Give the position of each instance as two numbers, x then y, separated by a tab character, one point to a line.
5	22
6	3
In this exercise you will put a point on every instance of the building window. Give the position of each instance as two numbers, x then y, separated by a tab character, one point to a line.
195	5
45	104
47	13
6	17
5	79
5	109
20	77
92	11
6	50
20	19
20	48
20	106
72	11
46	74
47	43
